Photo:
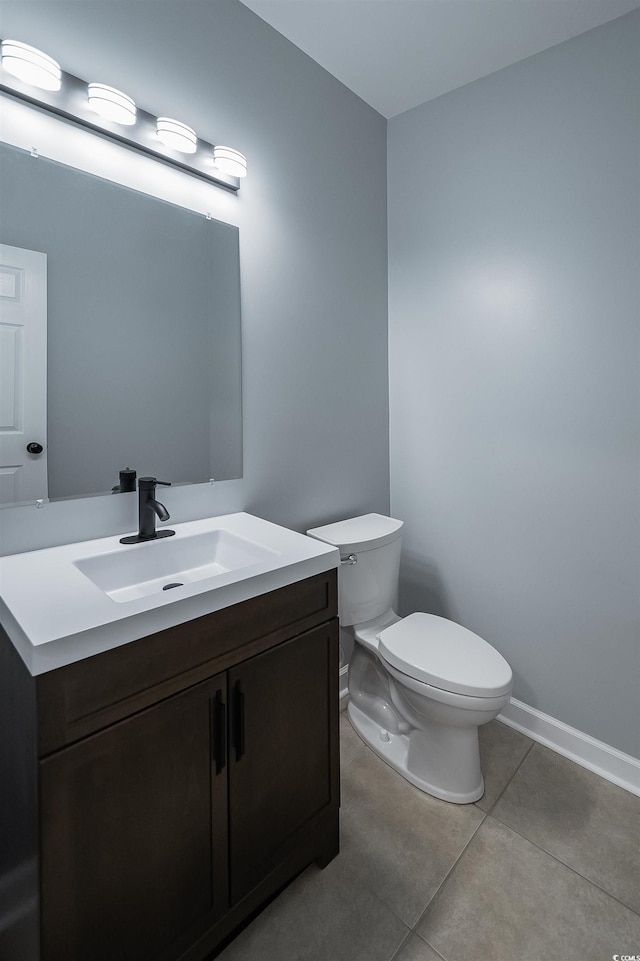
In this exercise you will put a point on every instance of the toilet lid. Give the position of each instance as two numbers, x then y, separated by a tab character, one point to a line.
445	655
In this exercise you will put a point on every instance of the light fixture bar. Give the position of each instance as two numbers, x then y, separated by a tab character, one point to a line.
71	103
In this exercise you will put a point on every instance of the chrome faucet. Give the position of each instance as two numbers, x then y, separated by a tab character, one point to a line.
148	509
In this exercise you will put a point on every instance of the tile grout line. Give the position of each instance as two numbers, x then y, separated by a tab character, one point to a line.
509	782
411	934
401	946
448	875
430	946
564	865
412	929
485	815
491	813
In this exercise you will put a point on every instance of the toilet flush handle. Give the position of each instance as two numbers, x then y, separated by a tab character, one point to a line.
349	559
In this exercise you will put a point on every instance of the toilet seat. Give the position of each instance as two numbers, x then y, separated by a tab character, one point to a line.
445	655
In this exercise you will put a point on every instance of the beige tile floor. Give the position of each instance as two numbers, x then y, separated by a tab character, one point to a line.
545	867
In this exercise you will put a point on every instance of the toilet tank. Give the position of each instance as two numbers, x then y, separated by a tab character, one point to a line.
368	587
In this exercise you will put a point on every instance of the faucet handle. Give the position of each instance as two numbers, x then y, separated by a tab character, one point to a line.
148	483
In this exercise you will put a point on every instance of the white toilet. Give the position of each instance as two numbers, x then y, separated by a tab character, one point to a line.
419	686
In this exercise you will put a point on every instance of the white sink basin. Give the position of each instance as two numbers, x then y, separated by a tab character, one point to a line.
143	569
62	604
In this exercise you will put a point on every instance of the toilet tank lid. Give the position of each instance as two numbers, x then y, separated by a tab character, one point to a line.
359	533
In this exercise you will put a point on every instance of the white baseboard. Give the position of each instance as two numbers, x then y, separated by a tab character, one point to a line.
343	684
602	759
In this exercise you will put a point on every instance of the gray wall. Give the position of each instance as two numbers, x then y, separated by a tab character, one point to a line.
312	218
514	370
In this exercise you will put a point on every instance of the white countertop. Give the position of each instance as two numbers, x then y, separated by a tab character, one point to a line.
56	615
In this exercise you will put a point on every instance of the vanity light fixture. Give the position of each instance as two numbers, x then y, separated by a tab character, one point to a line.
71	99
230	161
176	135
31	65
112	104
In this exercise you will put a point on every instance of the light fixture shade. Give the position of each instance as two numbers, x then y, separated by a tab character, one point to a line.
112	104
176	135
31	65
230	161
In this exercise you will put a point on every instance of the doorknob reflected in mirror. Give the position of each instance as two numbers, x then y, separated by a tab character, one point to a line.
34	448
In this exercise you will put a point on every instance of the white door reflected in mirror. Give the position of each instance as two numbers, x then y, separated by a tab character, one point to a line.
23	375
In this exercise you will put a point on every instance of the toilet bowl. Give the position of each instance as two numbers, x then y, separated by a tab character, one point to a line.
419	686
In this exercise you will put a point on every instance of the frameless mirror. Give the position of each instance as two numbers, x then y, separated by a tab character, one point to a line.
142	343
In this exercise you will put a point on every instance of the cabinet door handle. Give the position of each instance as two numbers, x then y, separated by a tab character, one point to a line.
220	732
239	721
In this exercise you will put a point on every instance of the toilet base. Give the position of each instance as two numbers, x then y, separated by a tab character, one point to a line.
394	750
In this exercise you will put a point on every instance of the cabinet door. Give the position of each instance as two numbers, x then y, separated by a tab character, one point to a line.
134	833
283	745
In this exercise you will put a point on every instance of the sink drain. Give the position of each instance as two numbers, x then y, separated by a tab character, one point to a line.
167	587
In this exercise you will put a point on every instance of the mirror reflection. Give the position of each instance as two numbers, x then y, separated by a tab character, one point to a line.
142	341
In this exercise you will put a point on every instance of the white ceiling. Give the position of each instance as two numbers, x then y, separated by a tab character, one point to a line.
396	54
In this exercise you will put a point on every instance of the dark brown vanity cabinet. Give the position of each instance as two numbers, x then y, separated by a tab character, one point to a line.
164	817
134	834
